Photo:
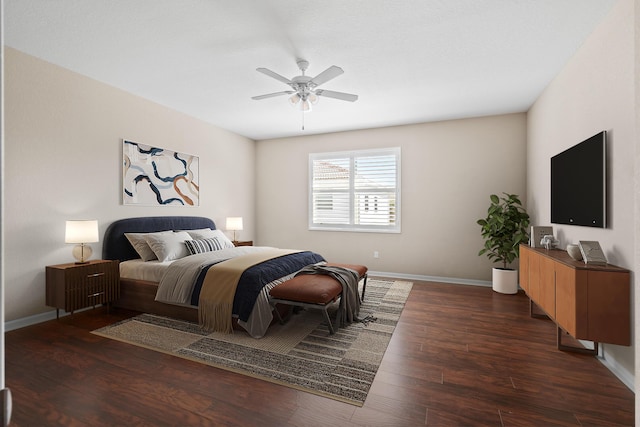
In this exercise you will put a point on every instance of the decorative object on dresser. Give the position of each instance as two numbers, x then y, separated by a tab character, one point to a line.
81	232
574	252
549	242
74	286
592	252
234	223
537	233
505	227
588	302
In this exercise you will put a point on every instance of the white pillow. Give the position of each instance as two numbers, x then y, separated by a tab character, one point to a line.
168	246
141	246
207	233
202	233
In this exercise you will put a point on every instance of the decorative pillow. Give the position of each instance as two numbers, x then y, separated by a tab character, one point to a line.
207	233
203	245
168	246
141	246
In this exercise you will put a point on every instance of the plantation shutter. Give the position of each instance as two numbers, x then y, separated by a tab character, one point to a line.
355	191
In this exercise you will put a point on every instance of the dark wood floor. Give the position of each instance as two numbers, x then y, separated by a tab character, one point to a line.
460	356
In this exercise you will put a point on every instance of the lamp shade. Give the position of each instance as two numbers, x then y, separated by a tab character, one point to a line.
294	99
81	231
234	223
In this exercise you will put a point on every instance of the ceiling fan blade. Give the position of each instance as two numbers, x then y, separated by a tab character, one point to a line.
274	75
337	95
270	95
328	74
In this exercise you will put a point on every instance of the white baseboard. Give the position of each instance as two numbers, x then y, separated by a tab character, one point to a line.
627	378
439	279
36	318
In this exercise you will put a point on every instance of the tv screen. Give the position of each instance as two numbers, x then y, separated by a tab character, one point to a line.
578	184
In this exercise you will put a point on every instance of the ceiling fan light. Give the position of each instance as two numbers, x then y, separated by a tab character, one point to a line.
313	98
294	99
305	106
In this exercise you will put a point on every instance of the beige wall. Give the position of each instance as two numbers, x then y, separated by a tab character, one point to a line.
63	137
594	92
449	169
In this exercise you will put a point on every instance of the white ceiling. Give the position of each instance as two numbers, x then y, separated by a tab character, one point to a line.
410	61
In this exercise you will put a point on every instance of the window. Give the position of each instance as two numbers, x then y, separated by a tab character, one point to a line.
355	190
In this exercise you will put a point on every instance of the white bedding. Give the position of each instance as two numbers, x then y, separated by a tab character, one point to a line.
138	269
153	271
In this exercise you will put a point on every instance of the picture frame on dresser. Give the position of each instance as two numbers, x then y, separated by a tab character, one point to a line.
537	233
592	252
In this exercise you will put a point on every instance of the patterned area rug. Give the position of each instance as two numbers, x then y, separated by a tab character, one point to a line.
299	354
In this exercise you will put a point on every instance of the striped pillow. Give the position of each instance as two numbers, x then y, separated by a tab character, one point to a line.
203	245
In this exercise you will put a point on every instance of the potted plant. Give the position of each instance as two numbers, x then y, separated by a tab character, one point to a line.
504	228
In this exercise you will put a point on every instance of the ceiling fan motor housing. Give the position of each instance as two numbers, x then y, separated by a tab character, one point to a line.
303	65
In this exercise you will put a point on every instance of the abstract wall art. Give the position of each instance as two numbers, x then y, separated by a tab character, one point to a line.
154	176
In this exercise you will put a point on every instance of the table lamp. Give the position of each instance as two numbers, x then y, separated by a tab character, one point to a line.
234	224
81	232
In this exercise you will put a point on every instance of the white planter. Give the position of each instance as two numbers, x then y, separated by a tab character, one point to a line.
505	281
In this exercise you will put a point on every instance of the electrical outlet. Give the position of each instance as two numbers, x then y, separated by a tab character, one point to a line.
376	254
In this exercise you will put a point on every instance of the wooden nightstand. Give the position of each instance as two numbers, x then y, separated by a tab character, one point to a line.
243	243
73	286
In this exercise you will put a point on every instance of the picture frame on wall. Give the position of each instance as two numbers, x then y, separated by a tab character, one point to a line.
153	176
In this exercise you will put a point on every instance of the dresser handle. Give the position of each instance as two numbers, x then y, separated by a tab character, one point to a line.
97	294
95	275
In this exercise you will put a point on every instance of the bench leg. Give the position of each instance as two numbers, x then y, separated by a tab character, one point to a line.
279	317
328	319
364	285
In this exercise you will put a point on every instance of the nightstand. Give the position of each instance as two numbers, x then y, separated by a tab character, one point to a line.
243	243
73	286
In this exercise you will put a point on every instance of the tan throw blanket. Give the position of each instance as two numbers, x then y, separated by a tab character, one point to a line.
219	288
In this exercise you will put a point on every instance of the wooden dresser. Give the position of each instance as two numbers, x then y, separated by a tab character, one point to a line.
74	286
589	302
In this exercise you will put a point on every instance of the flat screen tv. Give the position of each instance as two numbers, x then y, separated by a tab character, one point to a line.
578	184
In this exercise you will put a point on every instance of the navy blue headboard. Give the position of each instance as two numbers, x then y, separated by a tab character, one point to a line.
116	246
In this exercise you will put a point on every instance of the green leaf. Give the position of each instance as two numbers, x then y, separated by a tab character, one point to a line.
504	229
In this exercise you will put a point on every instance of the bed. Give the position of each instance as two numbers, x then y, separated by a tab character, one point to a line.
142	290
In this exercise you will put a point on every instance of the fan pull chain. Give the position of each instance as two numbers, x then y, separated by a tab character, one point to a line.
303	120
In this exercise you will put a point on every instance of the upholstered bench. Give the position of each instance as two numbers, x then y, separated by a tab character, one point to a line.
360	269
316	291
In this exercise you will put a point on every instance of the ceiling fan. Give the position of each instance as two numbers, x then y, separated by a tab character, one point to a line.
304	91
